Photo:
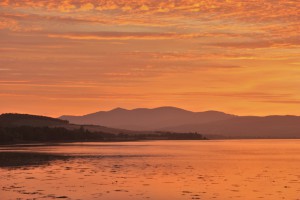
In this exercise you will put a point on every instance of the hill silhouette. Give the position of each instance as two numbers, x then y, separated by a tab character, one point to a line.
142	119
24	128
162	121
17	120
212	124
13	119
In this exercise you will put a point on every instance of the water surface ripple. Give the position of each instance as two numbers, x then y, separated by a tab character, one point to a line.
159	170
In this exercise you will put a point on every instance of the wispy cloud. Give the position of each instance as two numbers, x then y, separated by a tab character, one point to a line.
293	41
124	36
232	55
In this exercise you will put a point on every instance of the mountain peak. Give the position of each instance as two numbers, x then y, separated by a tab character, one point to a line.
168	108
118	109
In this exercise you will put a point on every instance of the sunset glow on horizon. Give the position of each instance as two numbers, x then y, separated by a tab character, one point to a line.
81	56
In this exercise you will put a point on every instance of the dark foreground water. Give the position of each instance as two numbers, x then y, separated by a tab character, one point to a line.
159	170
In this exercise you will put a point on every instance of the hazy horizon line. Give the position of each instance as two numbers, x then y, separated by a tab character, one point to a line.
149	108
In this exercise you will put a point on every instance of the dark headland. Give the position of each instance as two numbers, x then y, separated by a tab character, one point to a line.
24	128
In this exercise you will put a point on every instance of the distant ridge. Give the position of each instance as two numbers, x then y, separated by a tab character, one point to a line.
248	127
147	119
210	123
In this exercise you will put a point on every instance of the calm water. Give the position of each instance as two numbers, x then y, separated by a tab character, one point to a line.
222	170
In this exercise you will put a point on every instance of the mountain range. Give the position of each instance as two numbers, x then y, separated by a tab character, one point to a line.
142	119
209	123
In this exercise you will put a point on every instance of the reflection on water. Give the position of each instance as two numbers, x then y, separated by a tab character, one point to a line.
223	170
14	159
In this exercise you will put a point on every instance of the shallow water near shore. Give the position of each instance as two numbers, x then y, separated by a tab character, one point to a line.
215	169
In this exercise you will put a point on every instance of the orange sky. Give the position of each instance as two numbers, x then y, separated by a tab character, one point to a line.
81	56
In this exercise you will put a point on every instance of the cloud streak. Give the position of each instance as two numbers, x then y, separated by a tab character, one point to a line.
124	36
233	55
